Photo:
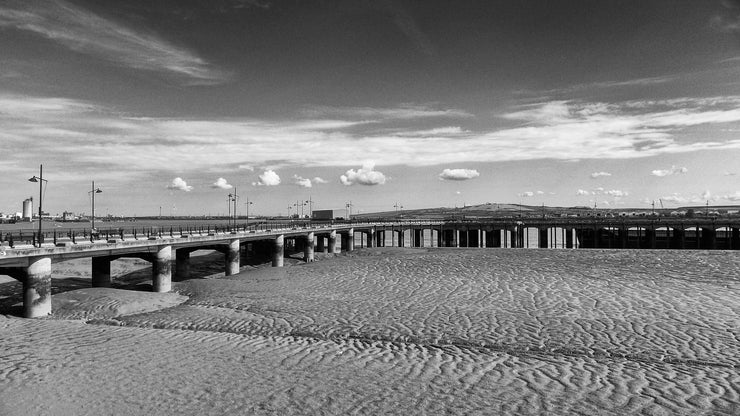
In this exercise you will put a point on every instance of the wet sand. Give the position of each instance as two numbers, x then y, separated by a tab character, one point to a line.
399	331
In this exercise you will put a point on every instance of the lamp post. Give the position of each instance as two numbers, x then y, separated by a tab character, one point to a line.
246	205
40	179
233	197
310	207
349	206
92	192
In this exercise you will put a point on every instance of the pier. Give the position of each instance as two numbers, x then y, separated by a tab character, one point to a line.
32	265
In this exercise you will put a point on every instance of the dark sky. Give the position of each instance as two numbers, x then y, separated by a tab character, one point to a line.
387	93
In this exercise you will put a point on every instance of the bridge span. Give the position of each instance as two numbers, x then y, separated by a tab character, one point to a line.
32	265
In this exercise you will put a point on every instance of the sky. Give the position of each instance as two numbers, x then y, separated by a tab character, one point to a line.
172	105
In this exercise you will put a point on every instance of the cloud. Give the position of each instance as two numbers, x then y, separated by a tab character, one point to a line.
599	174
616	193
668	172
268	178
247	167
84	31
458	174
526	194
304	182
731	197
402	112
319	180
729	174
363	176
180	185
91	133
222	184
406	23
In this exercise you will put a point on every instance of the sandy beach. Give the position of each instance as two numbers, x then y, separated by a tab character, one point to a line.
389	331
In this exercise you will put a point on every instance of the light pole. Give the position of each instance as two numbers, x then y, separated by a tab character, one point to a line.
233	197
349	209
246	205
92	192
397	207
310	207
40	179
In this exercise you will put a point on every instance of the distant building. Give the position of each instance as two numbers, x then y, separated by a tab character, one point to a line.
69	216
28	209
325	214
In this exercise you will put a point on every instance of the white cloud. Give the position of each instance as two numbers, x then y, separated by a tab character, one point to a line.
84	31
180	185
526	194
222	184
556	130
582	192
319	180
247	167
402	112
616	193
300	181
730	174
458	174
668	172
599	174
363	176
268	178
540	192
732	197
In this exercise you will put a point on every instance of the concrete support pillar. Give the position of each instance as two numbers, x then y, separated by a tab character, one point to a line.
456	238
371	238
278	251
709	238
308	256
37	288
333	248
232	258
542	237
650	237
182	264
568	238
679	238
321	244
482	234
162	269
101	272
350	239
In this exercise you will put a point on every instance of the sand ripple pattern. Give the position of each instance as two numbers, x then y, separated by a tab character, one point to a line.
463	331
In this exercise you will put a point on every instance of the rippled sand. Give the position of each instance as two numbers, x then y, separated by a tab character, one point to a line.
402	331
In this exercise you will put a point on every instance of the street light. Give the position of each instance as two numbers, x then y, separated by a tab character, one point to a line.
92	192
310	207
233	197
40	179
246	205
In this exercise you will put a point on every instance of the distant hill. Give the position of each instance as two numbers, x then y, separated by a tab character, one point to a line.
489	210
